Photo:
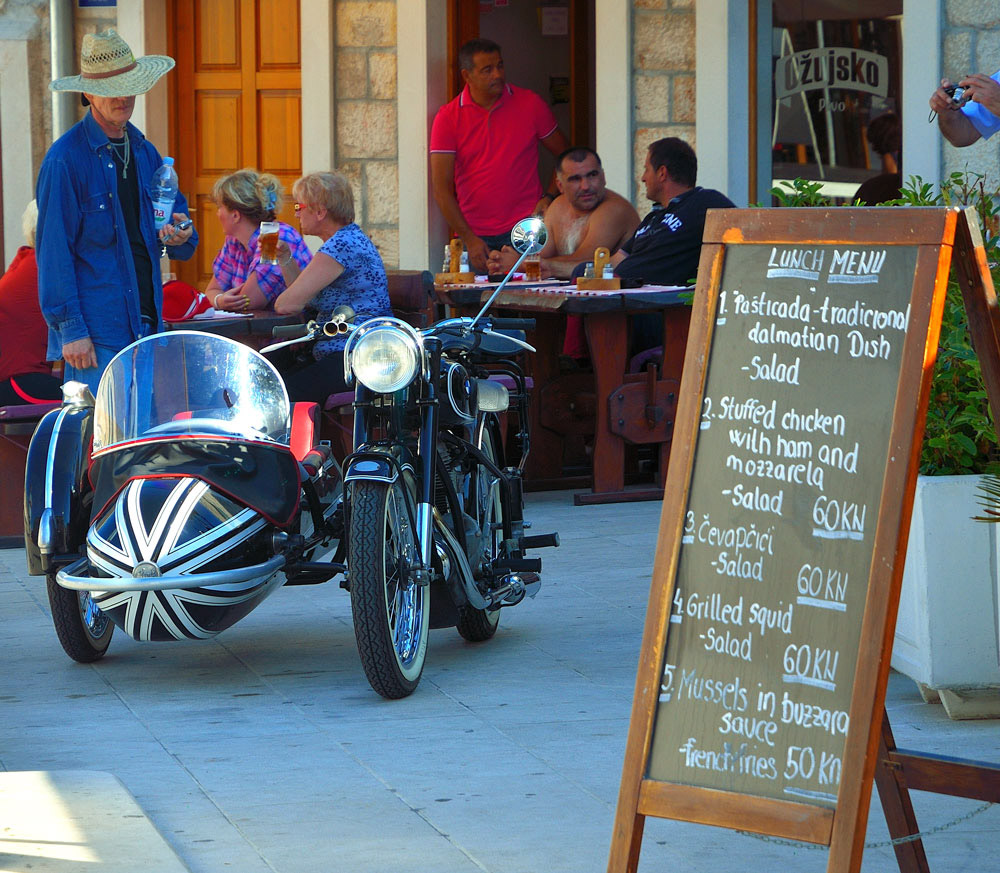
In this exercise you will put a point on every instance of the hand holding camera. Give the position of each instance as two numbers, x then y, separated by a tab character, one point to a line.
957	94
948	97
966	110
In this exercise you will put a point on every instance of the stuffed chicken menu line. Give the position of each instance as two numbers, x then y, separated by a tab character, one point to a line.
778	532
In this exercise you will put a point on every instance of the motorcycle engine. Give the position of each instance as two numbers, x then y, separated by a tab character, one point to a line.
452	462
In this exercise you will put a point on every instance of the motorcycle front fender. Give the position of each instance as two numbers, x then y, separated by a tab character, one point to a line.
370	467
56	487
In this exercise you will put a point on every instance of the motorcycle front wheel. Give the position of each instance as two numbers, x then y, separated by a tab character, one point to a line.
83	630
391	611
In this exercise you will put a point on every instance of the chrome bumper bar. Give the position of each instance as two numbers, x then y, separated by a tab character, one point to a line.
67	578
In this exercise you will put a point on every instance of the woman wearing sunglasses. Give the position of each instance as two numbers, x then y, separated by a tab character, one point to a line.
347	269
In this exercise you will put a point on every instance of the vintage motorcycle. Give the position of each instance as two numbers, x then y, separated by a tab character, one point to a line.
190	489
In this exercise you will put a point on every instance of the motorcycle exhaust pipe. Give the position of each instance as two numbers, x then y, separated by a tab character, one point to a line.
513	589
335	326
338	323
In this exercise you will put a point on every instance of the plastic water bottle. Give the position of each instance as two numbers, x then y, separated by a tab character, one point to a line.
165	188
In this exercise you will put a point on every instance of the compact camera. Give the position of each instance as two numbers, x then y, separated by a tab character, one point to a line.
957	94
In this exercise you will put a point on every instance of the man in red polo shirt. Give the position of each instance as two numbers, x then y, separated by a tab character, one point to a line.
484	153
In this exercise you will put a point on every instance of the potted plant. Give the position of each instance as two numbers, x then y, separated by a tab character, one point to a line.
946	628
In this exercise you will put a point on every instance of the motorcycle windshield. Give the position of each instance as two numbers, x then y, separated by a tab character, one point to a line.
189	383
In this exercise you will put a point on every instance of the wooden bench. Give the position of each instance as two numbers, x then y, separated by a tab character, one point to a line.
17	424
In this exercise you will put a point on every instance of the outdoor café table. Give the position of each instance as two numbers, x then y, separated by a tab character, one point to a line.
630	408
252	329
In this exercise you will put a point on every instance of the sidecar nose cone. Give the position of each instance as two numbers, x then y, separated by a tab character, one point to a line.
145	570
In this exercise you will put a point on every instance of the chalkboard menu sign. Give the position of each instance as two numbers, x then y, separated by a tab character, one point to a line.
766	650
780	523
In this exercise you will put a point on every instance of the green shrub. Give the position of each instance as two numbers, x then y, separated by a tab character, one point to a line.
960	435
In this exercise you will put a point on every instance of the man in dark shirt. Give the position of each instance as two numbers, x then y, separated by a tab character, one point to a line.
666	247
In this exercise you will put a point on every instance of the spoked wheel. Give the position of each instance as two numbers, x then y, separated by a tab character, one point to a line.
84	631
391	611
479	625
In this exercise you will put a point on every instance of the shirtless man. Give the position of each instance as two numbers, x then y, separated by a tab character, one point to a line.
586	216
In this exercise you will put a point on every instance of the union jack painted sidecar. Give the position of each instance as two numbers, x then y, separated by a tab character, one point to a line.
178	500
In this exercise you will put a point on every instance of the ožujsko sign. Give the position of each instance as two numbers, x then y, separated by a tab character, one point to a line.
833	67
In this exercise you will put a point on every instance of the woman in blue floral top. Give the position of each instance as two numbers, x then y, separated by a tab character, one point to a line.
347	269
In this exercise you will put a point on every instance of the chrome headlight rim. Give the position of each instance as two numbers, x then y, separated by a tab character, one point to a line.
411	358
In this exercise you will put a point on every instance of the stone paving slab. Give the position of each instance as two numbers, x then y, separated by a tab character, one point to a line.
66	821
265	751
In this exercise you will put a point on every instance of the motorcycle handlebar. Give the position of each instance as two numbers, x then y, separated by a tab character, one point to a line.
513	323
290	331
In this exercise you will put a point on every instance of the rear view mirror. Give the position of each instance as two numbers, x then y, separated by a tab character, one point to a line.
528	235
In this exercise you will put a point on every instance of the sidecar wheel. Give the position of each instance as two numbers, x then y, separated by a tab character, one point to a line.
479	625
84	631
391	611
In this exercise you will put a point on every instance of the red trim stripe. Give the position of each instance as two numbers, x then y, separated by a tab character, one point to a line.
27	398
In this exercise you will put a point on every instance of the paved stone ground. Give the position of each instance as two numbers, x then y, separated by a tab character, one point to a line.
266	750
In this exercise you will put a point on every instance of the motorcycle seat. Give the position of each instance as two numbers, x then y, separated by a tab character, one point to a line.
304	427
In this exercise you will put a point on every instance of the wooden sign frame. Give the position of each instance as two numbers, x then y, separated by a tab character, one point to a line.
933	232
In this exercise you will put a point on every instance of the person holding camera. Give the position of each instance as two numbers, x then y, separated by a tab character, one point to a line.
968	110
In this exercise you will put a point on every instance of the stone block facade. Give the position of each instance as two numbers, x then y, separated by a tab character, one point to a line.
367	141
663	73
971	44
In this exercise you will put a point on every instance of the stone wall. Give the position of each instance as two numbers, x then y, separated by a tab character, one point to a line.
971	44
25	116
663	64
366	135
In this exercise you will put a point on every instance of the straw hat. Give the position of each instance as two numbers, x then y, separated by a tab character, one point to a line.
109	69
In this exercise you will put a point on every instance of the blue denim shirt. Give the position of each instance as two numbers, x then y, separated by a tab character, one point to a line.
86	277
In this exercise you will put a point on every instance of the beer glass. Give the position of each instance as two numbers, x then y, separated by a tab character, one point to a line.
532	267
268	241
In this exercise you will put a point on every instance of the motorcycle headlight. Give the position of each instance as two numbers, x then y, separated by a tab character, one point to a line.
385	359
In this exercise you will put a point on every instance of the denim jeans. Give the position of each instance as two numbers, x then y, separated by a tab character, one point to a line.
91	376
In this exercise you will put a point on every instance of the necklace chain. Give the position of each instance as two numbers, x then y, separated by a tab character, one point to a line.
122	156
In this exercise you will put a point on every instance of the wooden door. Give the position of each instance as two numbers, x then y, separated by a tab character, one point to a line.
463	25
235	102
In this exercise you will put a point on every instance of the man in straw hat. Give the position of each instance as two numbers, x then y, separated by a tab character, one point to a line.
98	251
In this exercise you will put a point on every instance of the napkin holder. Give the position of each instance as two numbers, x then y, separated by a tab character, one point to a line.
601	257
455	275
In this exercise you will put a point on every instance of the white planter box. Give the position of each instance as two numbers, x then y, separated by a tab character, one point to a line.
947	625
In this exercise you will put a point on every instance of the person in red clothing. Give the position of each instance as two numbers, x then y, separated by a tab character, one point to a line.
25	375
484	153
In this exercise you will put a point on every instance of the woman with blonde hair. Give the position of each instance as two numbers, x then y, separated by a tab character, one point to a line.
347	269
239	280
